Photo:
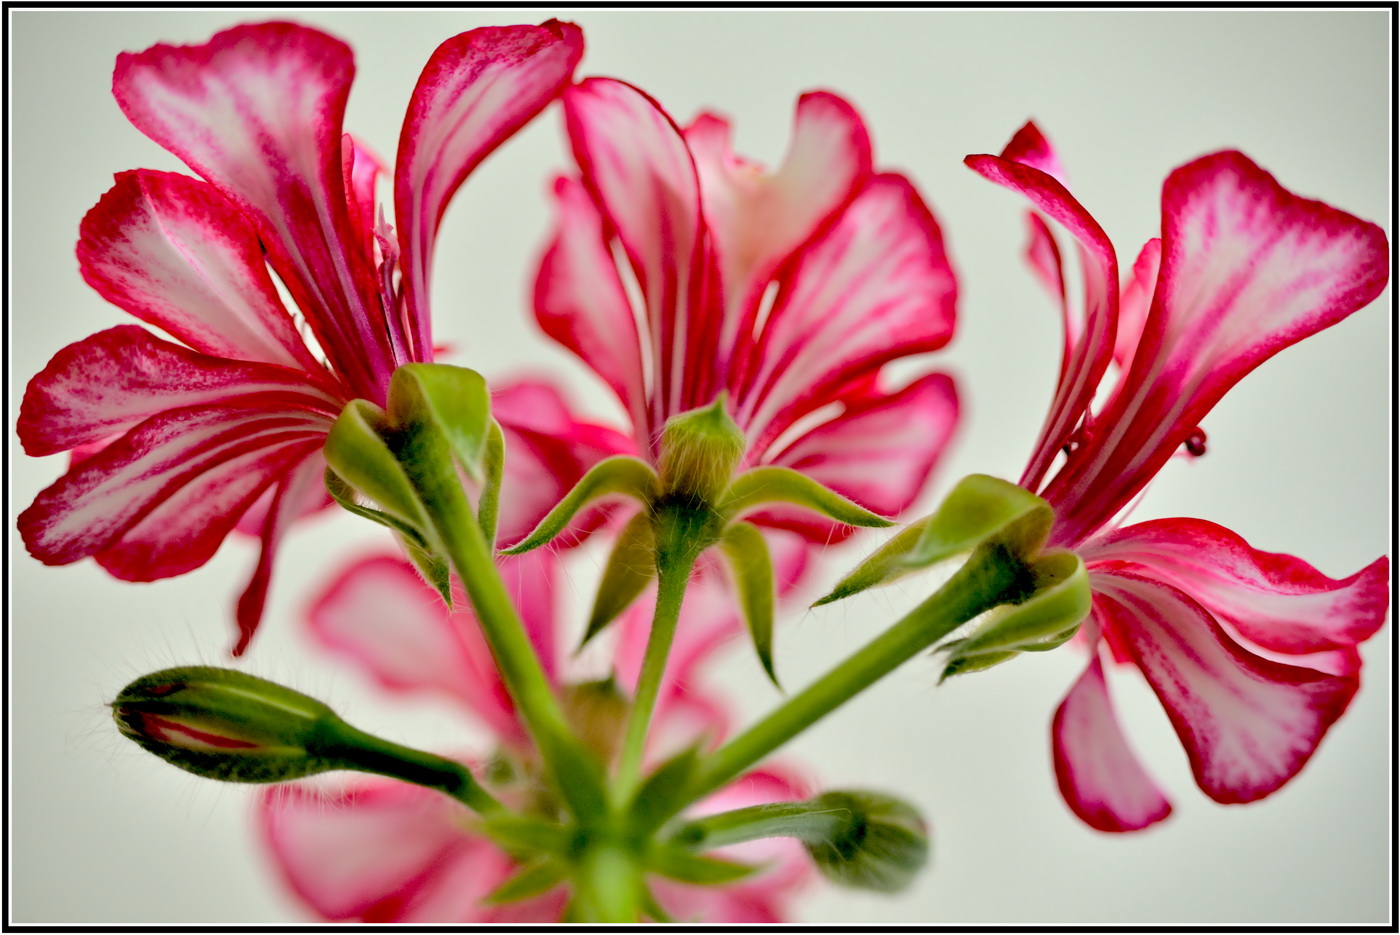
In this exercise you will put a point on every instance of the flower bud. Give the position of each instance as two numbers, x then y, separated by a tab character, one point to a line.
228	725
879	844
700	451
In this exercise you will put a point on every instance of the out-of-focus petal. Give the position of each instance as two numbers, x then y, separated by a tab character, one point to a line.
175	253
1274	600
1099	776
1247	269
757	219
257	111
159	500
875	286
115	379
1089	359
380	852
637	167
581	303
1248	724
1136	301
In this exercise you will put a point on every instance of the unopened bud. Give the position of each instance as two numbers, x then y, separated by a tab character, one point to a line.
228	725
700	451
879	844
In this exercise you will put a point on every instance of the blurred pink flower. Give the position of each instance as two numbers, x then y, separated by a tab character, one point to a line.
381	851
175	442
1252	654
678	271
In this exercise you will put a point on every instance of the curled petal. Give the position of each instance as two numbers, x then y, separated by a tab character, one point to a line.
1099	776
637	167
1247	269
875	286
175	253
1248	724
1137	299
1084	366
476	90
257	111
111	381
158	501
1276	601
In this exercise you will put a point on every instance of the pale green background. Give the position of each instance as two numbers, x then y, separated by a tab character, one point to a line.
1298	456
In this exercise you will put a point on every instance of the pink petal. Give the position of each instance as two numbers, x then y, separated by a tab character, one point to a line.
113	380
175	253
548	449
757	219
1043	255
257	111
1030	148
382	615
475	92
1274	600
379	852
1099	776
290	497
159	500
581	303
1248	724
637	167
1084	367
1137	299
874	287
880	451
1247	269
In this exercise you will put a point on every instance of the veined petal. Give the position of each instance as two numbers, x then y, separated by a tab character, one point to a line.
175	253
1099	776
210	463
1084	366
257	111
1043	256
637	167
1136	301
1247	269
115	379
581	303
476	90
757	219
1274	600
380	851
878	452
1248	724
875	286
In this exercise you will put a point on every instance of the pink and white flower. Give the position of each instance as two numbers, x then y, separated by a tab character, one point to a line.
1254	655
679	271
381	851
173	442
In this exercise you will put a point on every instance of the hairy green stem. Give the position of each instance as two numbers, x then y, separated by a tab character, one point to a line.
992	576
805	821
371	754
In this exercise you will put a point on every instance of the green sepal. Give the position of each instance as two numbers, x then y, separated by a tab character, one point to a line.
1061	599
880	846
620	474
452	400
488	505
677	863
653	910
357	452
431	566
662	794
534	878
522	835
747	554
980	509
772	484
699	451
631	567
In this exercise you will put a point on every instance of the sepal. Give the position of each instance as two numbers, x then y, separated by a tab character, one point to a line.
699	451
535	878
1060	602
980	509
631	567
773	484
620	474
752	567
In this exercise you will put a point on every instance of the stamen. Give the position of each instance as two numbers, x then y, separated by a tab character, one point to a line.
1195	443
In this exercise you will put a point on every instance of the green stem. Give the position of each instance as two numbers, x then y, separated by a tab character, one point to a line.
371	754
606	886
990	577
679	544
806	821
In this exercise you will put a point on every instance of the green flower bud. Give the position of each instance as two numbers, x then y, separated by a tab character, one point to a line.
226	725
879	844
700	451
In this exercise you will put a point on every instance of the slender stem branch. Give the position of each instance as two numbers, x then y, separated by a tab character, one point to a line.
372	754
676	554
806	821
990	577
